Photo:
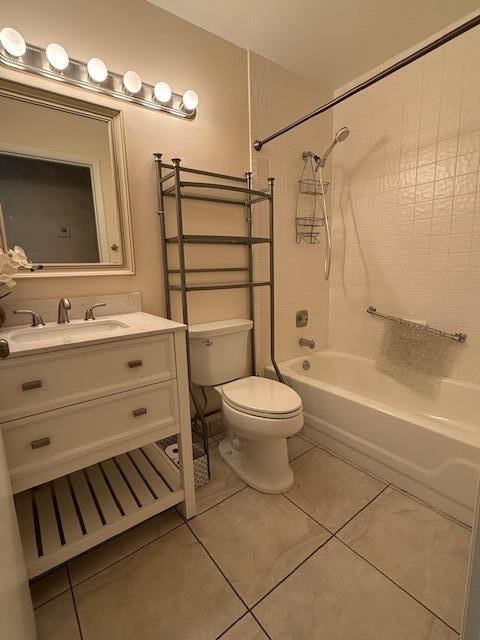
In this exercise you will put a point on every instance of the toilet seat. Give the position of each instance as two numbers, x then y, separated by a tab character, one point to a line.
262	397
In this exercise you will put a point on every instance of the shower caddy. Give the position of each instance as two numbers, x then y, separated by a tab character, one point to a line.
177	183
308	227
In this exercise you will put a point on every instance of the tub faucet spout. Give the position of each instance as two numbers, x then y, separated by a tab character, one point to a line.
307	342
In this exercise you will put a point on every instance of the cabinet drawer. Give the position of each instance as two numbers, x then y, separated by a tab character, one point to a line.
39	383
39	447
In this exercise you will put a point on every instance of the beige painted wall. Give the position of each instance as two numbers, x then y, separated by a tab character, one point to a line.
279	96
133	34
407	205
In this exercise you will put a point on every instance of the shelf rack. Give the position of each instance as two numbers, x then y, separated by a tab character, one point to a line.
175	181
67	516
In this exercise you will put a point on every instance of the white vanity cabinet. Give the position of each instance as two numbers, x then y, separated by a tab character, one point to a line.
79	426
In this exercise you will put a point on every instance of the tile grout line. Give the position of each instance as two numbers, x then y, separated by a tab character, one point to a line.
303	437
425	504
362	509
74	603
216	504
392	485
399	586
66	564
299	456
60	593
345	461
342	458
217	565
252	613
331	537
312	446
250	608
95	573
232	625
349	462
238	620
332	533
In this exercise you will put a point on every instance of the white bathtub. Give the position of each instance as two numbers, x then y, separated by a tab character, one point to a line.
427	444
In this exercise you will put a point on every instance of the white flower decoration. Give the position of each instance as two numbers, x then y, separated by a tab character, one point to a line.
10	262
17	255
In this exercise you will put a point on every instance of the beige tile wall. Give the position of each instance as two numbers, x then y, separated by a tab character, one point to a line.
407	205
278	96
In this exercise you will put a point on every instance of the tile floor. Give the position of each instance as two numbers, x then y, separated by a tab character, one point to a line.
340	556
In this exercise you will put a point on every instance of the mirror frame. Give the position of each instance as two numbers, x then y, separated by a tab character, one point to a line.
114	120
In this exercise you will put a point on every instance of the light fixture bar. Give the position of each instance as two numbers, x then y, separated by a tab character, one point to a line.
35	61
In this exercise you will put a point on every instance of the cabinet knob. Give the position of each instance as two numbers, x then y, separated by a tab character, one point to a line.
31	384
139	412
135	363
41	442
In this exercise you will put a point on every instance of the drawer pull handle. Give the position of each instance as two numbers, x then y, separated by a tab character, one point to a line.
139	412
135	363
32	384
42	442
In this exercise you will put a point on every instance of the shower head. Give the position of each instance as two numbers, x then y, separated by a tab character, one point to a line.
341	135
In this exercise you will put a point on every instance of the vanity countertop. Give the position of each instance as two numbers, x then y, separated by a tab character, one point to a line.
25	340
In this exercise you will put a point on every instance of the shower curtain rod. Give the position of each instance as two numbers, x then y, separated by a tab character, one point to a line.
458	31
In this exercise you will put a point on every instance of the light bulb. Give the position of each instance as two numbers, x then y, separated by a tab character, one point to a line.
97	69
190	100
162	92
132	82
12	42
57	56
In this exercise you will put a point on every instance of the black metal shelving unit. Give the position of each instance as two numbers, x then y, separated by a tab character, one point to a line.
174	181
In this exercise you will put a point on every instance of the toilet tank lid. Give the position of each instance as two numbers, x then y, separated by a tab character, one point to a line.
221	327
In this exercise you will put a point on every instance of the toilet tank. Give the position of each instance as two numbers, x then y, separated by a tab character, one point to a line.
219	351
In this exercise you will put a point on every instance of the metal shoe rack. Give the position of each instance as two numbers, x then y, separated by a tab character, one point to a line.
183	183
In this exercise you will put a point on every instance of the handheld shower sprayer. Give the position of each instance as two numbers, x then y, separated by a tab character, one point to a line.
320	161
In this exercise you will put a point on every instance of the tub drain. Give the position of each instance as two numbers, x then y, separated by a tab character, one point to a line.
306	365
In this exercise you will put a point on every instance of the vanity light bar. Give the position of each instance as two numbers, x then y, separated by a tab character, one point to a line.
93	75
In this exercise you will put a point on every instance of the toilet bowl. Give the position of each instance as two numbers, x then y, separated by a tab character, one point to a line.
260	414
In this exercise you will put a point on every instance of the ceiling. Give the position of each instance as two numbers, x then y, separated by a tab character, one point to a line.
328	42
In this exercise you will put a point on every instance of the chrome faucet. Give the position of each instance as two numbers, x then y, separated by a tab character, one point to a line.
63	308
89	313
306	342
37	320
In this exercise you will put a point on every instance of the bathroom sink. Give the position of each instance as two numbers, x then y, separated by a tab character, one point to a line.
75	330
26	340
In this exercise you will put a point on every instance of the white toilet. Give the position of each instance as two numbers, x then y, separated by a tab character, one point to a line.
259	413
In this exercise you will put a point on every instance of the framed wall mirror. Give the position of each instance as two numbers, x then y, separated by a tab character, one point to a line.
63	183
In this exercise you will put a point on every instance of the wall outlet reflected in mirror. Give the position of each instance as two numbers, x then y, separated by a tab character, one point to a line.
63	232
